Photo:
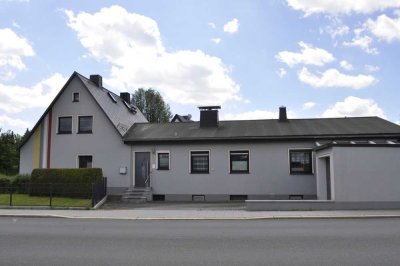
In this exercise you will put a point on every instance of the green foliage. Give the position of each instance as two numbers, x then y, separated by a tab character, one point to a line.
152	105
4	182
66	175
65	182
9	153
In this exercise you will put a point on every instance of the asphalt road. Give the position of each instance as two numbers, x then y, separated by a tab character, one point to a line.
42	241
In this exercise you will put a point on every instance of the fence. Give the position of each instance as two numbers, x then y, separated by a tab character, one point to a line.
54	194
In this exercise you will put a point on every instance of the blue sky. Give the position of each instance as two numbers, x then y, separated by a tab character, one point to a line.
319	58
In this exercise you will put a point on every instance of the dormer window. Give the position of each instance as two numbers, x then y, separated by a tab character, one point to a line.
75	97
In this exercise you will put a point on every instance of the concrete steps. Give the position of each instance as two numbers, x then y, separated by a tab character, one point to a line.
137	194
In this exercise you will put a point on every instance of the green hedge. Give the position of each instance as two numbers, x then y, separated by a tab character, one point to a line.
66	175
65	182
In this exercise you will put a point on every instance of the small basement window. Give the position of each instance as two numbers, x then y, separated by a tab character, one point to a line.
85	161
75	97
85	124
300	161
158	197
65	125
239	162
199	162
163	161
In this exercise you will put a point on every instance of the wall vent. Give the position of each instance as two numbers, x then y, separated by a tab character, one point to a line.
198	198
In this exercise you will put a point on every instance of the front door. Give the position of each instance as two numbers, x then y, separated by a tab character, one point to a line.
328	178
142	169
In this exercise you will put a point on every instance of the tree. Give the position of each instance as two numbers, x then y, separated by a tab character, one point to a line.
152	105
9	153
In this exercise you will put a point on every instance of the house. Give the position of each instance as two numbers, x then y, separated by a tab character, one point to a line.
327	159
182	118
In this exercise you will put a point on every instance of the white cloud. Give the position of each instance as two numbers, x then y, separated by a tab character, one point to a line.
346	65
131	43
255	115
8	122
232	26
363	42
212	25
398	122
281	72
15	99
371	68
336	28
385	28
333	78
12	49
16	25
308	55
308	105
216	40
354	106
336	7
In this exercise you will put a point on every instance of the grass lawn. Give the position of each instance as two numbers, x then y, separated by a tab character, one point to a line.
26	200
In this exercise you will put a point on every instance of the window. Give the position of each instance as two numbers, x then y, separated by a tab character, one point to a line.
300	161
163	161
85	124
239	161
85	161
75	97
65	125
199	162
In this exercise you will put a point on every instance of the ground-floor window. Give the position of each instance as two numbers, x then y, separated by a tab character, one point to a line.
300	161
162	160
199	162
239	161
85	161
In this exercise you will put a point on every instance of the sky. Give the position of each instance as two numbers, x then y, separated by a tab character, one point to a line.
330	58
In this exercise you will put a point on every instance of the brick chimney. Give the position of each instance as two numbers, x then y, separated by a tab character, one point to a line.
282	114
126	96
97	79
209	116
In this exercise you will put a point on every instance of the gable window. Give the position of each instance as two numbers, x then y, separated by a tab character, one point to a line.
85	124
199	162
163	161
65	125
85	161
239	161
300	161
75	97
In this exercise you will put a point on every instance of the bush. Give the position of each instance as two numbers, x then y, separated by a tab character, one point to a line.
21	182
66	175
4	182
66	182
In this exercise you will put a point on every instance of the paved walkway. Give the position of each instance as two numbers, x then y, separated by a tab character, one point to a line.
191	211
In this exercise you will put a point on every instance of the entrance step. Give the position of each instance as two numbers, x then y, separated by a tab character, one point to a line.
137	195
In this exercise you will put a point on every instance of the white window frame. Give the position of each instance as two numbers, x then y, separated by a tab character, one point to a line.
58	124
169	160
77	159
312	160
77	124
209	161
229	160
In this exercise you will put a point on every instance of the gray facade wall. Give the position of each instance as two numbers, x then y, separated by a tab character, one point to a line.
104	144
269	175
366	173
26	156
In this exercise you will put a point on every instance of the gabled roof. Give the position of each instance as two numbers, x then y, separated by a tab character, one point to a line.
117	113
181	118
321	128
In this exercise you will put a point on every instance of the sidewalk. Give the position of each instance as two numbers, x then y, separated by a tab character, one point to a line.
190	211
